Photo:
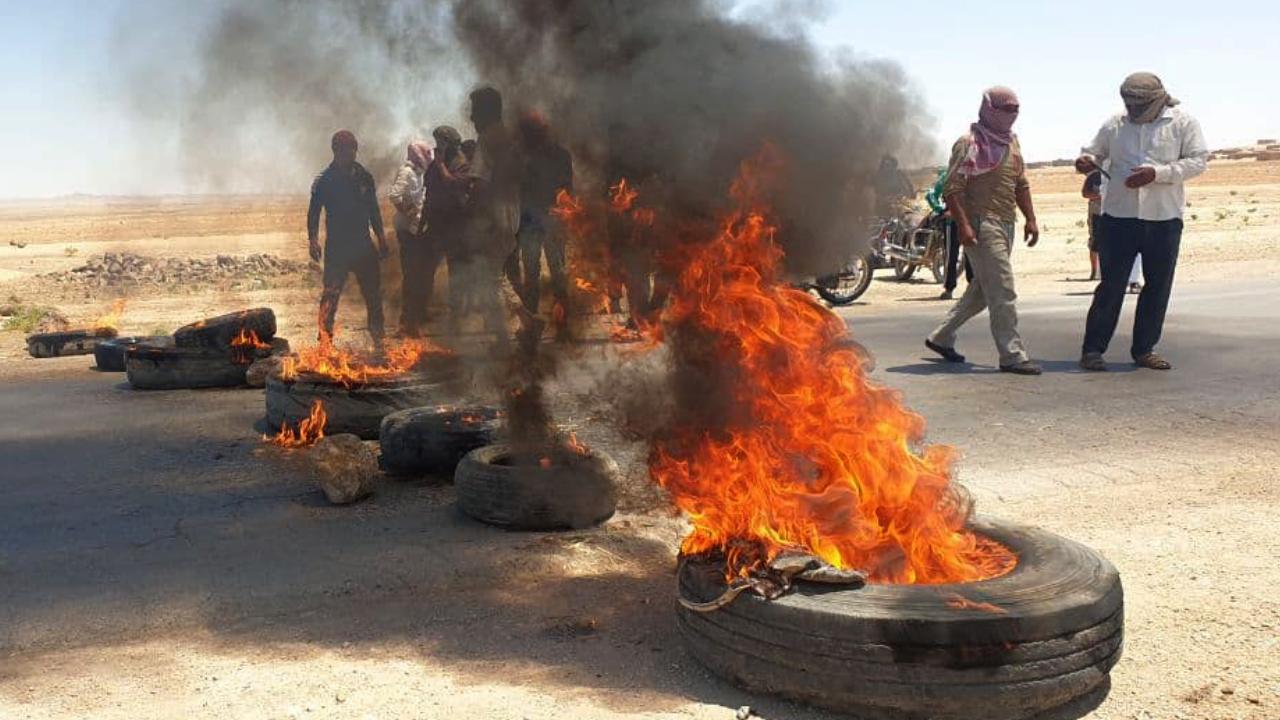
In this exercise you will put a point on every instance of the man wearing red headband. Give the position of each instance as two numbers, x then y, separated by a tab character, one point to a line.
346	193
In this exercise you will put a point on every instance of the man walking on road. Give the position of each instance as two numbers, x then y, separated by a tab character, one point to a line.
346	193
986	185
1150	151
418	260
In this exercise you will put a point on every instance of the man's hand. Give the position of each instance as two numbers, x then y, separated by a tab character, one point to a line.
1085	165
966	234
313	246
1141	175
1031	232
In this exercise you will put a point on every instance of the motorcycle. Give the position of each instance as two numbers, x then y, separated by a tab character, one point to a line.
905	245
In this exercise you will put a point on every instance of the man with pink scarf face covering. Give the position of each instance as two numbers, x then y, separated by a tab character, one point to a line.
417	259
986	186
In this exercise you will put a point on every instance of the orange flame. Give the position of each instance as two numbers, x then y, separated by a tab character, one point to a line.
818	458
622	196
347	367
308	432
111	320
249	339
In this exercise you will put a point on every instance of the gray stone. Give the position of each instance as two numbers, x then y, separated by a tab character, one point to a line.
344	467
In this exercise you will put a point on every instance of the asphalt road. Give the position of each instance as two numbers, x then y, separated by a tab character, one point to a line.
126	513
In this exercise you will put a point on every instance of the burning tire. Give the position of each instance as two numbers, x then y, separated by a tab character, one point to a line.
1044	636
108	355
358	409
71	342
432	440
218	332
503	486
177	368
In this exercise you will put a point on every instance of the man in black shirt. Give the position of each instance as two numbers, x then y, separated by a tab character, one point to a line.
548	169
346	193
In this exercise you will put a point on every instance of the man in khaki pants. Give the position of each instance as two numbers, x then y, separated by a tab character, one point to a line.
986	184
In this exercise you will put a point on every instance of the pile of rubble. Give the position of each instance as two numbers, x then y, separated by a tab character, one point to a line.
124	269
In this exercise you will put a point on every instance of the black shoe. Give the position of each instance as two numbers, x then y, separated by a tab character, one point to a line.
946	295
1026	367
948	354
1093	362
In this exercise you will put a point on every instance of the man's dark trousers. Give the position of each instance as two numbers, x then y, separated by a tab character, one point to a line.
364	264
1122	239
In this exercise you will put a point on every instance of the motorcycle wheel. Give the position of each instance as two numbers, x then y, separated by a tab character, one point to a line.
847	285
939	267
903	270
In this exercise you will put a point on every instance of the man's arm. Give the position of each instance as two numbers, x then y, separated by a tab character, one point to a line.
1192	160
1031	231
964	229
399	193
313	221
375	219
1093	155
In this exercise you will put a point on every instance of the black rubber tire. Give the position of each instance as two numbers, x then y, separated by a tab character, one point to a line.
108	355
828	287
357	410
904	270
432	440
938	268
528	497
62	344
218	332
175	368
900	651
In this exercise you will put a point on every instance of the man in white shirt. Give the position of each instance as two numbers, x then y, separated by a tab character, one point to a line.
1149	152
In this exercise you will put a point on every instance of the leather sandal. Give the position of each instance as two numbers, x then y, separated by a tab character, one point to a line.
1152	361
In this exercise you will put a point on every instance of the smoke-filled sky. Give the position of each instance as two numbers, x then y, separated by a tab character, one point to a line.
79	120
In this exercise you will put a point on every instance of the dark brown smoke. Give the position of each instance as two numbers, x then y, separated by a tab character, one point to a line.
674	89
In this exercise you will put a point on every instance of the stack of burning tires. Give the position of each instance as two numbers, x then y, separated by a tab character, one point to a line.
215	352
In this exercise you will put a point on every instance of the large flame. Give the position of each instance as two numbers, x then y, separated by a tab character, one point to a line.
809	454
308	432
349	367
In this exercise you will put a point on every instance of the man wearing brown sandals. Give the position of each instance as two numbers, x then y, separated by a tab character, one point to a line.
1148	152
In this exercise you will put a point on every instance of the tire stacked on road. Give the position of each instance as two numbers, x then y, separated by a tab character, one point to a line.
432	440
202	355
108	355
69	342
1039	640
524	490
356	409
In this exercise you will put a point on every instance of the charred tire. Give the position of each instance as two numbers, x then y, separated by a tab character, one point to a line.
919	651
847	285
175	368
523	497
358	410
71	342
108	355
432	440
218	332
904	270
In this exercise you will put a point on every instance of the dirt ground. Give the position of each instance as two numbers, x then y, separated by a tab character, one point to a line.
254	601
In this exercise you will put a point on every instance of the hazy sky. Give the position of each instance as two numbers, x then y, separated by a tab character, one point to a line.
69	132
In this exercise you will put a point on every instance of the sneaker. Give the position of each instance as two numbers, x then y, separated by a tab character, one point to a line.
1093	362
1026	367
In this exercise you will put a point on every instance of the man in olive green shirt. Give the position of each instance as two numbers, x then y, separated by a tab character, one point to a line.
986	185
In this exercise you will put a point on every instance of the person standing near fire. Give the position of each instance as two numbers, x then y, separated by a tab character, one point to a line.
495	204
986	186
548	169
1149	151
345	192
418	260
443	227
